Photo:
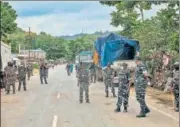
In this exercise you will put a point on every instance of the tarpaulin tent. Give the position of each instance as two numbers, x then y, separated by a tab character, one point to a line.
115	47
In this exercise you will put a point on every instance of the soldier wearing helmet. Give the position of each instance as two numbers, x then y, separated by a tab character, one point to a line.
123	89
10	77
175	85
108	74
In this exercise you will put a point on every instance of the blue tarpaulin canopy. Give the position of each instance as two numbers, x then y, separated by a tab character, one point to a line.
115	47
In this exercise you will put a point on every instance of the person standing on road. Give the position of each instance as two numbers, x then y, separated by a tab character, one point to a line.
78	67
10	77
68	69
43	73
140	86
175	86
31	68
108	75
22	76
29	71
83	83
93	73
124	88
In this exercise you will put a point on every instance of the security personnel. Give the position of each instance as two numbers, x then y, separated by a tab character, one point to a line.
10	77
140	86
22	76
78	67
108	74
43	73
175	86
93	73
123	89
83	83
29	71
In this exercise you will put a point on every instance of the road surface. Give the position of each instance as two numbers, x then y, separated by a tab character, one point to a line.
56	105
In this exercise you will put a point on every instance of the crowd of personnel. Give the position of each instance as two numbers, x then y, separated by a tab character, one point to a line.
87	75
21	73
12	73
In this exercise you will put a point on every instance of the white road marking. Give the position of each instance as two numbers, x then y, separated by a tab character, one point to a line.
58	96
54	124
173	117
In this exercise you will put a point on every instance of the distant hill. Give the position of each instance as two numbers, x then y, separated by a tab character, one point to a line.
83	34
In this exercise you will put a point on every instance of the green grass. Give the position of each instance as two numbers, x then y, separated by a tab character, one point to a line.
35	66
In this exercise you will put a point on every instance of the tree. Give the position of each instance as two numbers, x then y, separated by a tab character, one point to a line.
8	17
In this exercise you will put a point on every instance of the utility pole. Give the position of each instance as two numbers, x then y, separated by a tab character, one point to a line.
29	41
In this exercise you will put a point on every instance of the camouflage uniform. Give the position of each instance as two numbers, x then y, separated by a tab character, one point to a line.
123	90
84	84
140	88
22	76
43	73
93	73
31	68
176	89
10	79
108	73
29	71
77	73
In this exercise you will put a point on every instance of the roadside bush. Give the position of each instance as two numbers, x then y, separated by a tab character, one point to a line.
35	66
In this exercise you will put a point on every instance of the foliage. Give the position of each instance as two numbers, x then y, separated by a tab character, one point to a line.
8	17
159	33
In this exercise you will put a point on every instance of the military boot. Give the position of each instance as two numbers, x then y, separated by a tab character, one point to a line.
147	110
118	109
87	101
125	109
7	92
107	95
141	115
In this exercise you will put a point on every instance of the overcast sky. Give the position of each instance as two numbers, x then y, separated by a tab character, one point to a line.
66	18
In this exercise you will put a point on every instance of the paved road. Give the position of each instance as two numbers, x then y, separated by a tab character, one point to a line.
56	105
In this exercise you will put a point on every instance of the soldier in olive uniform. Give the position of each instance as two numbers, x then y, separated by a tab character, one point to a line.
175	86
10	77
43	73
123	90
78	67
108	74
140	86
93	73
83	76
29	69
22	76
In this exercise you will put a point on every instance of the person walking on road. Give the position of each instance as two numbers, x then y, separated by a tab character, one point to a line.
78	67
68	69
108	75
175	86
43	73
140	86
123	89
22	76
83	83
10	77
29	71
93	73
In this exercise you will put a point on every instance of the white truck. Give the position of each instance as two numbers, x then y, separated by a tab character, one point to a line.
5	55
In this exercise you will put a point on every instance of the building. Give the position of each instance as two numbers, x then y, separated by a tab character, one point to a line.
37	54
5	55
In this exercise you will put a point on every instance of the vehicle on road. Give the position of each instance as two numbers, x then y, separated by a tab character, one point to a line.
115	49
